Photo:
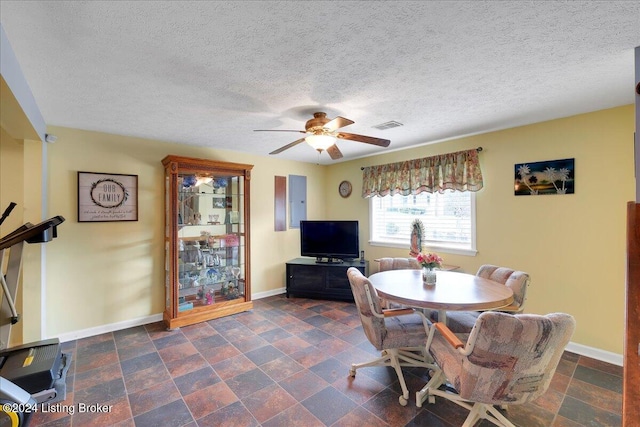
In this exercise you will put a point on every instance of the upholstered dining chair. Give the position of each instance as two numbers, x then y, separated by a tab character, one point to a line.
389	263
517	281
401	335
506	360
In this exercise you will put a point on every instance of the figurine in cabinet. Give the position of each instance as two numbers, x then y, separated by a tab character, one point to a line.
210	297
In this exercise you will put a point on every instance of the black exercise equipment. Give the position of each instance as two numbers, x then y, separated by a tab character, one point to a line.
33	373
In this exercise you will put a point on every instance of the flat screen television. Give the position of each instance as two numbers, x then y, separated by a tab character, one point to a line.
333	240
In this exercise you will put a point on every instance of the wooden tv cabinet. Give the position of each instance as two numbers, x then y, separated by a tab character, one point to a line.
310	279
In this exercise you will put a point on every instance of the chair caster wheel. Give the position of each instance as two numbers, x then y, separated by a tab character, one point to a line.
402	400
352	373
432	399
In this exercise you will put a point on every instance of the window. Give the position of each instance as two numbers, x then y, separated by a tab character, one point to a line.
448	218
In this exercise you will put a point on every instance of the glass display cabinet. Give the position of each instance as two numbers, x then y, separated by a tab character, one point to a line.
207	266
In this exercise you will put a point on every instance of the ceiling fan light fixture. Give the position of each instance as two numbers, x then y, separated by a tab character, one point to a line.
320	142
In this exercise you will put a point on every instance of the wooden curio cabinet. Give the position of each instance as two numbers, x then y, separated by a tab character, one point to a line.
207	265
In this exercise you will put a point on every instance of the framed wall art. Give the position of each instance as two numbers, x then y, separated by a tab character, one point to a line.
548	177
107	197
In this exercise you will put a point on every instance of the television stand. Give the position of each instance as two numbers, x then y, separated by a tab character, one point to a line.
306	277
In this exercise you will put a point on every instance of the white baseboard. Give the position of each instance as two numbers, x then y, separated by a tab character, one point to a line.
583	350
270	293
112	327
596	353
90	332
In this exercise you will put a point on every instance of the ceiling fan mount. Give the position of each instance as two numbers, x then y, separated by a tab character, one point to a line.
322	134
317	123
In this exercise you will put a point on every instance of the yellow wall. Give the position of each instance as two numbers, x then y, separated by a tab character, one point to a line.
573	246
22	186
104	273
32	257
11	183
11	190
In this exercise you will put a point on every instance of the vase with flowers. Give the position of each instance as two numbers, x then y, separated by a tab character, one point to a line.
429	263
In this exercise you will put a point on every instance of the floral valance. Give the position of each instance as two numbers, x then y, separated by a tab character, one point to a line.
458	171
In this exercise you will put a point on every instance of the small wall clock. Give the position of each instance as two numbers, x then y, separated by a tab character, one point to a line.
345	188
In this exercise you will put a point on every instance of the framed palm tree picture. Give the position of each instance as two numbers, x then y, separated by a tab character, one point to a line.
548	177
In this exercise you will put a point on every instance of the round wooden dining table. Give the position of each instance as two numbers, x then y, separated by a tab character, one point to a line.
452	291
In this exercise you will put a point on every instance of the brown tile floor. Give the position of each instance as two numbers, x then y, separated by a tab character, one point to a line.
286	363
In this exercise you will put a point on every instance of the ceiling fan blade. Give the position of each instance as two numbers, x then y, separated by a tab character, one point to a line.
362	138
278	130
286	147
337	123
334	152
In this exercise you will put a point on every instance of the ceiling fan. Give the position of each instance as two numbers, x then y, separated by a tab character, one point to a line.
322	134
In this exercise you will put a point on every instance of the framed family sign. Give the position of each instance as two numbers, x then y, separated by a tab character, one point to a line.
105	197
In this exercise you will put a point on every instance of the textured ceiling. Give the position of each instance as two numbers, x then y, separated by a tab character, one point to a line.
209	73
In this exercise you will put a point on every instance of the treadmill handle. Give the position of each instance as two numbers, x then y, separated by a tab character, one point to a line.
7	212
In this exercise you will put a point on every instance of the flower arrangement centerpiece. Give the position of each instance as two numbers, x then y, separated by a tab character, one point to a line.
428	262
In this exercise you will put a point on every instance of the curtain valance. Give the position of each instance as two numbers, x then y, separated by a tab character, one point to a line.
457	171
